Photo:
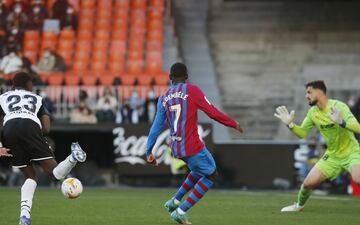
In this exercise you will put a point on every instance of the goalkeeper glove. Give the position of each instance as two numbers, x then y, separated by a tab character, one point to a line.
336	117
283	114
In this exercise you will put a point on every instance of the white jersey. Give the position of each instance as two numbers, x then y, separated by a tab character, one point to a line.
20	103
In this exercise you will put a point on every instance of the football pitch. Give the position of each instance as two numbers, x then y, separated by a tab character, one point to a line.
145	207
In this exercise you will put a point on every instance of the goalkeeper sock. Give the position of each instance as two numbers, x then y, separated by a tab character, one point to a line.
64	168
27	194
188	184
303	196
200	189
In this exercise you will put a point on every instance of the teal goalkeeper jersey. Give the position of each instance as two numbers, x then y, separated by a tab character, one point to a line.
340	141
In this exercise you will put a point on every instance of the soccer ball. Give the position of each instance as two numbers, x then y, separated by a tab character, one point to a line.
71	188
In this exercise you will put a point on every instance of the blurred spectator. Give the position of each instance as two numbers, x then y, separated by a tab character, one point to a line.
17	19
65	13
13	41
48	103
26	64
106	106
60	64
11	63
59	8
46	64
312	156
82	114
137	106
69	20
150	105
37	15
125	114
84	97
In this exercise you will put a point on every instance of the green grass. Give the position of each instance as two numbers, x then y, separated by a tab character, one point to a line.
145	207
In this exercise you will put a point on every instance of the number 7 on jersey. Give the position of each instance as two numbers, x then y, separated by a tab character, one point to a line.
177	110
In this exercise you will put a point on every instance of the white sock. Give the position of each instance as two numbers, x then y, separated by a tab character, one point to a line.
64	168
177	202
180	211
27	194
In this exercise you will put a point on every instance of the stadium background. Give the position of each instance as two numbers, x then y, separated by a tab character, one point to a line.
247	56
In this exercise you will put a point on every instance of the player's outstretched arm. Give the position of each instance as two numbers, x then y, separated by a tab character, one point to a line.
155	130
343	116
288	119
204	105
5	152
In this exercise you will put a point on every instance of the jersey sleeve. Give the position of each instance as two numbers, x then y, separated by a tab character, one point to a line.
351	122
156	127
43	110
303	130
204	105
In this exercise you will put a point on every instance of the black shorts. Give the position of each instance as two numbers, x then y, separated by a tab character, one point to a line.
26	142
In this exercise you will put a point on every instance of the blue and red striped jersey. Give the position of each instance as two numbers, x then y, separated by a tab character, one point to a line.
179	106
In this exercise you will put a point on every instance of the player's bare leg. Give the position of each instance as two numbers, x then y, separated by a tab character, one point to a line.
355	173
63	169
27	194
312	180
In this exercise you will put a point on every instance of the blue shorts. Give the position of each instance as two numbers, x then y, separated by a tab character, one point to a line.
202	163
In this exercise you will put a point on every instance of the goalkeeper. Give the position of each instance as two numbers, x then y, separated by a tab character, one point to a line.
337	125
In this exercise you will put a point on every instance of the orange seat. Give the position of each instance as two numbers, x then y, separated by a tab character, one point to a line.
136	44
106	80
99	55
89	80
138	4
135	66
55	79
117	67
128	79
86	25
98	66
135	55
49	36
161	79
118	46
158	3
83	45
88	4
85	35
122	4
155	13
67	35
144	79
101	35
105	4
156	24
82	55
80	66
154	46
72	80
31	45
120	24
117	56
138	14
48	45
119	35
66	45
31	35
103	23
155	36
